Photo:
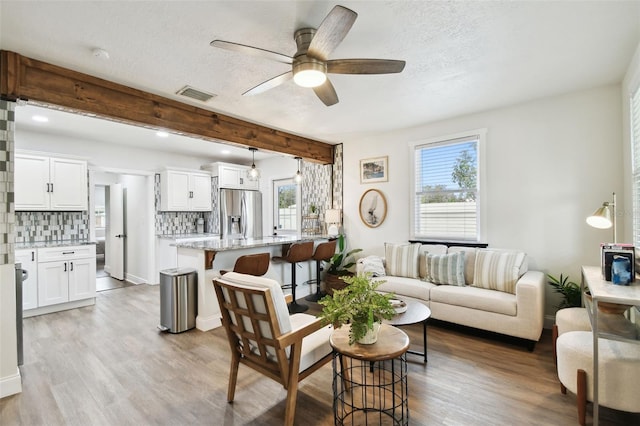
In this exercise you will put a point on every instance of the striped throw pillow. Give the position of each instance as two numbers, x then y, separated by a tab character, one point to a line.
446	268
401	260
498	270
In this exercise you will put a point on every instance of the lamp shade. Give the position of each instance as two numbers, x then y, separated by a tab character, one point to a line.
601	218
332	216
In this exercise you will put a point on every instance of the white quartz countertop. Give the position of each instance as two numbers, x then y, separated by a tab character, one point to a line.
243	243
46	244
193	235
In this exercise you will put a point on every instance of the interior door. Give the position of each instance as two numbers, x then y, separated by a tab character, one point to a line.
116	235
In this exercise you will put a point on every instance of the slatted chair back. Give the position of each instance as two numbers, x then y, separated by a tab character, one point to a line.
254	314
264	337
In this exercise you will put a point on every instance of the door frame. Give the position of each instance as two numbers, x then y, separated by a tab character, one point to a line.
149	214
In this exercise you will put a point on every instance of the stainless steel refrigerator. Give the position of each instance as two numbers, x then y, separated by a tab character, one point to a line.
240	213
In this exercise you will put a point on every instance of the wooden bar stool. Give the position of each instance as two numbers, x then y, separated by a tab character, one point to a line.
298	252
324	252
251	264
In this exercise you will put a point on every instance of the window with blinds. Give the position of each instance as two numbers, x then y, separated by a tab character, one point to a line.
447	196
635	143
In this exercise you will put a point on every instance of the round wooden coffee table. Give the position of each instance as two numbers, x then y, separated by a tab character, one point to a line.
416	312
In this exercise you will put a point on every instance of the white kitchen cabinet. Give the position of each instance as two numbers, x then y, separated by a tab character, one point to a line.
29	261
50	183
232	176
185	191
66	274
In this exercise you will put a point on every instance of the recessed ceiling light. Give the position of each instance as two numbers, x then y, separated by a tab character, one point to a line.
40	118
162	134
225	151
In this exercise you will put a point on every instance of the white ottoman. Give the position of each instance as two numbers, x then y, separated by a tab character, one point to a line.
619	371
569	319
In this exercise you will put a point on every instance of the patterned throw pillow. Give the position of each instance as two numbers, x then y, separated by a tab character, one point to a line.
498	270
446	268
401	260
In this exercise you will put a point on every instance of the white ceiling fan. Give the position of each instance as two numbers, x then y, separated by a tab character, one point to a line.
311	63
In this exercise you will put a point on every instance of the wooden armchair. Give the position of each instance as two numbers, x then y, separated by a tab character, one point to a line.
265	338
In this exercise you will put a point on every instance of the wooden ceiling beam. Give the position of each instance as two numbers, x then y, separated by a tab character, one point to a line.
32	80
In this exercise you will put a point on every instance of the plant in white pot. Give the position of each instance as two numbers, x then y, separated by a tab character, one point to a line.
361	306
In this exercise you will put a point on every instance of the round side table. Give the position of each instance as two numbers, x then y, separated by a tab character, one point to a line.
370	382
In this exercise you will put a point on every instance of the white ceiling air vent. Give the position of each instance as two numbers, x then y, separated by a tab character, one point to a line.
196	94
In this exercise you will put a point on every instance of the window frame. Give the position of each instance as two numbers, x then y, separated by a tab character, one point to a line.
276	213
481	135
634	137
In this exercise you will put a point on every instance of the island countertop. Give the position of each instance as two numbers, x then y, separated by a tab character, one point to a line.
244	243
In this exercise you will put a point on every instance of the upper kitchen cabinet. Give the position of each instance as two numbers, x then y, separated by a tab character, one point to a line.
185	191
232	176
50	183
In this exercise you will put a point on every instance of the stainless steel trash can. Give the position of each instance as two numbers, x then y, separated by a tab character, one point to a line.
178	299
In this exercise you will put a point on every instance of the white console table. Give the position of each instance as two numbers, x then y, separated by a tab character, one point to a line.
605	291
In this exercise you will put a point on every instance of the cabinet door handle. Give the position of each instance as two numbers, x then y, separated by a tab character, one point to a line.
48	190
68	252
65	266
71	263
51	187
190	194
33	256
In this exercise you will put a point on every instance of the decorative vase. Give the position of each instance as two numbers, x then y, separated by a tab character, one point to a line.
372	335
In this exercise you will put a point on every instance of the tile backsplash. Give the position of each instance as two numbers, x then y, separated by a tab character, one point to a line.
51	226
185	222
7	121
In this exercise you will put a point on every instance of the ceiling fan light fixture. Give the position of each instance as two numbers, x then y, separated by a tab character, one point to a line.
310	73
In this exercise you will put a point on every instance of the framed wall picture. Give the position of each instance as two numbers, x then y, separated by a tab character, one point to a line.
373	208
374	170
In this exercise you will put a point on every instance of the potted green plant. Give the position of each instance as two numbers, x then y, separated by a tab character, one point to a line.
339	266
361	306
313	210
572	297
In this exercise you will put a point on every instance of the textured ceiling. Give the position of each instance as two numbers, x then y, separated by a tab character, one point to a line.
462	56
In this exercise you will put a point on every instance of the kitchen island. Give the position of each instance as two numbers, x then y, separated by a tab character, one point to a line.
210	256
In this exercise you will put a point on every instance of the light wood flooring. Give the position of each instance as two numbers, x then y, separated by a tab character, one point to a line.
109	365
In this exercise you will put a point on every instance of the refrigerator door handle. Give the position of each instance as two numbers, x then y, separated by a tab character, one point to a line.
243	216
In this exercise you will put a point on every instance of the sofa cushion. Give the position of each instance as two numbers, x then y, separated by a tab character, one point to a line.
469	261
498	270
422	257
402	286
446	268
475	298
401	260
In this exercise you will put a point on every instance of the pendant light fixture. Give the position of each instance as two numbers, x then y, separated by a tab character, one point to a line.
298	177
253	174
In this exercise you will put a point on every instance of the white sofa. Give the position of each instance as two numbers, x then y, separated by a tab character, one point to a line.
480	299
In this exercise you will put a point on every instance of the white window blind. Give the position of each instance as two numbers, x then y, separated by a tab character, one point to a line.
635	143
447	196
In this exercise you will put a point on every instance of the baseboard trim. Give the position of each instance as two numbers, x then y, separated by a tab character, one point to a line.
208	323
59	307
133	279
549	320
11	385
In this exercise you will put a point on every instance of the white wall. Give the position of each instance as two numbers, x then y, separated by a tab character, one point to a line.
10	381
549	164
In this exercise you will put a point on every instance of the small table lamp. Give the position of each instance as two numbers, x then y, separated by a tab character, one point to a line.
605	217
332	218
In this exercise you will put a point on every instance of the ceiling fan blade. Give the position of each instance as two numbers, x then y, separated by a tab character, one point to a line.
269	84
251	50
364	66
327	93
331	32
